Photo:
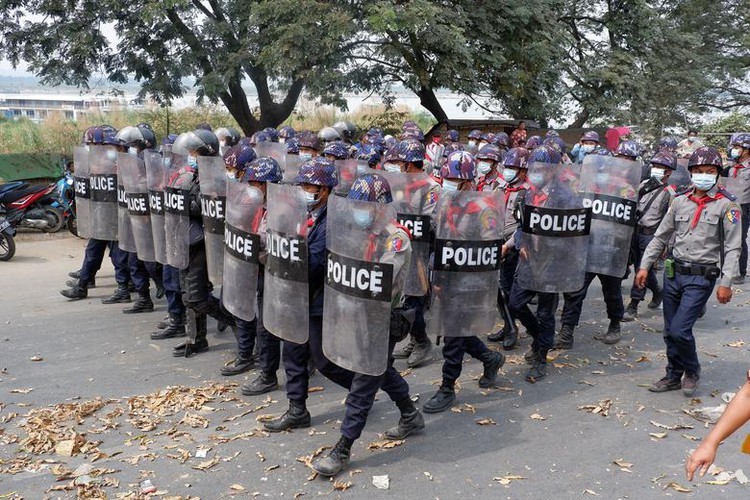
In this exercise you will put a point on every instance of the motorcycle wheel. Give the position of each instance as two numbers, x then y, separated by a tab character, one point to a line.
7	246
73	226
55	218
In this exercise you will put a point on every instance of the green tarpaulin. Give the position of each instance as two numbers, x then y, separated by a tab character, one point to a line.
29	166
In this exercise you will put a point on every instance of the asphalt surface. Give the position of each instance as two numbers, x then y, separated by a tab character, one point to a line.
559	438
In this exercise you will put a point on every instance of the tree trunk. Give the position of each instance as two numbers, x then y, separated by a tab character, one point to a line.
580	120
429	101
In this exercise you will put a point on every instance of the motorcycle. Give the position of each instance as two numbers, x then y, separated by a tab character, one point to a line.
7	244
30	207
65	201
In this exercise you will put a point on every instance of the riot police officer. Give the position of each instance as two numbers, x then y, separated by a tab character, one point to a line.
737	182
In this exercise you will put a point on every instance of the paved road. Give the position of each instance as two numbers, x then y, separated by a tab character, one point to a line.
535	432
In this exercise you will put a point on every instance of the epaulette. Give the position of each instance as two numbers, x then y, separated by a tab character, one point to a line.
727	194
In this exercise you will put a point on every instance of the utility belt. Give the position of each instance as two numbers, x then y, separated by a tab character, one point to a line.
690	269
647	231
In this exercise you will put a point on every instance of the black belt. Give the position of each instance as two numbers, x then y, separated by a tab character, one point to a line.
647	231
697	269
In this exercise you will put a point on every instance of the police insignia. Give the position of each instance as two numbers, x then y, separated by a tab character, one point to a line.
733	215
489	221
395	243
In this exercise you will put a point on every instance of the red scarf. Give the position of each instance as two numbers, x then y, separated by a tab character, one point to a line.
701	202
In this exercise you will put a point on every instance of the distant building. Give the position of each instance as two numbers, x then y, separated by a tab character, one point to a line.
38	107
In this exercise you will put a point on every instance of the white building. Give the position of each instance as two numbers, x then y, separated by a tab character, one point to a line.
37	107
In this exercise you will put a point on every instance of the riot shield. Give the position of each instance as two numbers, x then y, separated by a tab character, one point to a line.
244	215
133	174
468	230
213	183
103	184
555	233
156	177
680	178
82	191
125	238
275	150
286	301
610	188
346	173
415	197
290	168
177	211
358	287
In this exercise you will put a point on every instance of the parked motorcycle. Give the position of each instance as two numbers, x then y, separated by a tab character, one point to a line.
7	243
65	201
30	207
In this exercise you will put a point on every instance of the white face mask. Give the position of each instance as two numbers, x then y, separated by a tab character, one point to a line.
657	173
472	142
510	174
482	144
588	148
392	167
231	174
362	217
704	182
282	140
735	153
450	185
484	167
306	156
311	199
536	178
692	138
111	154
133	151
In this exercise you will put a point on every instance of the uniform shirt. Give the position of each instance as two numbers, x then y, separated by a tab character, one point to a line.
657	202
737	181
514	195
696	233
396	251
316	259
484	184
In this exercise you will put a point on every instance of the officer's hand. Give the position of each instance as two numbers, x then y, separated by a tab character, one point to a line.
640	278
723	294
504	251
523	253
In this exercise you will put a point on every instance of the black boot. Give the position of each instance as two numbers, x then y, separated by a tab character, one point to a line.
441	400
531	356
239	364
143	304
405	351
499	335
76	275
411	420
266	382
613	334
492	362
337	459
121	295
564	339
90	284
77	292
511	339
296	417
161	325
175	328
631	312
655	300
538	369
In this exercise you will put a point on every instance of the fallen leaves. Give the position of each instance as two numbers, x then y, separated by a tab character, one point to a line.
342	485
600	408
536	416
506	480
37	358
385	444
466	407
677	487
623	465
486	421
21	391
736	343
675	427
207	464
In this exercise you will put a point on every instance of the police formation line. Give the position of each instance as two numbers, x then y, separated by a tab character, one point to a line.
327	253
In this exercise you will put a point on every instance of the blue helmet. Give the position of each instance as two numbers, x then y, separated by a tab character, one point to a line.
628	148
545	154
411	151
453	135
286	132
239	157
169	140
371	187
229	135
263	169
490	152
475	134
318	171
501	139
552	133
292	146
369	153
413	133
557	143
272	133
705	156
261	136
308	140
337	149
375	132
93	135
533	142
459	165
741	139
669	143
665	159
516	157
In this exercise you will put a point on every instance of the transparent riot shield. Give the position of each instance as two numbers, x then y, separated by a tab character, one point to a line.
286	301
555	232
177	211
133	174
213	184
82	191
346	173
125	238
610	189
242	226
359	285
290	168
468	246
103	184
680	178
275	150
415	197
156	176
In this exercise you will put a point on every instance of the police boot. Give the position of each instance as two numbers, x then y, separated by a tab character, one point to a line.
631	312
121	295
613	334
511	338
405	351
161	325
175	328
239	364
77	292
499	335
531	356
655	300
76	275
564	339
337	459
195	328
492	362
441	400
90	284
143	304
411	420
538	369
296	417
266	382
420	352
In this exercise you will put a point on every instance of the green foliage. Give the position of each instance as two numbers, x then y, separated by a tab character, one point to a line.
725	126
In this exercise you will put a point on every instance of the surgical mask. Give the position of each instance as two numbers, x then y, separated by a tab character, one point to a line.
133	151
450	185
657	173
192	161
484	167
692	138
588	148
282	140
735	153
704	182
362	217
305	156
111	154
231	174
510	174
311	199
602	178
482	144
536	178
392	167
472	143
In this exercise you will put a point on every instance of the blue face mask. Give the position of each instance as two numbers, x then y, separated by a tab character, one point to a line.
362	217
588	148
536	178
450	185
735	153
311	199
193	161
704	182
510	174
305	156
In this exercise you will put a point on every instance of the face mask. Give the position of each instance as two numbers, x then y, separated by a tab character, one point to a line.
704	182
482	144
231	174
392	167
691	138
588	148
657	173
472	143
282	140
192	161
735	153
311	199
450	185
133	151
362	217
484	167
510	174
222	144
111	154
602	178
305	156
536	178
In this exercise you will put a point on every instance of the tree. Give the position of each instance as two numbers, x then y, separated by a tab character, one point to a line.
280	46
